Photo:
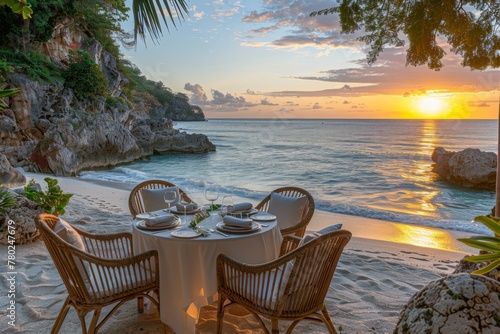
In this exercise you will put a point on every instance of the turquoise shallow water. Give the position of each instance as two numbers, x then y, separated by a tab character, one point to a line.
371	168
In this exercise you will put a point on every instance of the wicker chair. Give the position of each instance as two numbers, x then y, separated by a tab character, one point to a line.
300	228
292	287
135	203
105	273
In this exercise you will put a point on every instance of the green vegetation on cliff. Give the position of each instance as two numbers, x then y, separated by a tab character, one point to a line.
22	50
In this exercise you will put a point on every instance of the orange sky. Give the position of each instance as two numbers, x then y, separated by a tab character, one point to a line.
269	59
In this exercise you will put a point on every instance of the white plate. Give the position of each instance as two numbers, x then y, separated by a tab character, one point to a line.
142	225
265	217
187	234
192	212
222	227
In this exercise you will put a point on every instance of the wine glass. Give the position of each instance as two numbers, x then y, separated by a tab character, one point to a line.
226	202
184	205
212	194
170	197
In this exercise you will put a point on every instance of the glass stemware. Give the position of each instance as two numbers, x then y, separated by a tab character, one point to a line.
184	205
226	202
212	194
170	197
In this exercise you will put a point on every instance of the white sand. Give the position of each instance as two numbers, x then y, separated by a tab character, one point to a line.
374	279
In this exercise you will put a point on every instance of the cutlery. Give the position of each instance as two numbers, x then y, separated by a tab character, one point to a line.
217	231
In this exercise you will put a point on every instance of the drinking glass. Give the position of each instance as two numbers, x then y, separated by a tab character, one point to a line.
184	205
212	194
170	197
226	201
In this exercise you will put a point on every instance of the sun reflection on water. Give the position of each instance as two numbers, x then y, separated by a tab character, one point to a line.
424	237
420	173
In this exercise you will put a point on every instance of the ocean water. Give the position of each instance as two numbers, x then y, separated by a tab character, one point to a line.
370	168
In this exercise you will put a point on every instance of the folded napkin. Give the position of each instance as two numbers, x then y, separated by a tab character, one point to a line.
189	207
240	207
164	219
237	222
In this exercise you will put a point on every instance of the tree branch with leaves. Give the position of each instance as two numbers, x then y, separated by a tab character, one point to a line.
18	7
471	28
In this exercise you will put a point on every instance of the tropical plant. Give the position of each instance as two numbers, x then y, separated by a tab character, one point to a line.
146	16
470	27
53	201
7	200
488	244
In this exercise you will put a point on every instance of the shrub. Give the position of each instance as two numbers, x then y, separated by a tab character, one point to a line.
53	201
84	76
34	64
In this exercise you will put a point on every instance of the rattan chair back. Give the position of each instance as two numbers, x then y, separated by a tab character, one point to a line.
300	228
135	202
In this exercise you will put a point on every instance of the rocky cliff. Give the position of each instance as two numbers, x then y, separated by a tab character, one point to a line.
46	128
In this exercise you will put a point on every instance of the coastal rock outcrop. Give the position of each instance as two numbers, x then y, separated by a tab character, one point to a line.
22	215
9	176
46	128
458	303
470	167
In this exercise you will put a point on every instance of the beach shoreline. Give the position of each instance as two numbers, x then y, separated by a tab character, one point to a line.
373	281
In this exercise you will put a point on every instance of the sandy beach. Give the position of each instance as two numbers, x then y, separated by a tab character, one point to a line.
383	265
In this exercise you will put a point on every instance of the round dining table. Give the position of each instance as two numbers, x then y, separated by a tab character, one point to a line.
188	277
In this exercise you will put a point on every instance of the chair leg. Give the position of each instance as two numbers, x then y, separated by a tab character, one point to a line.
93	323
61	317
329	323
140	304
274	326
220	313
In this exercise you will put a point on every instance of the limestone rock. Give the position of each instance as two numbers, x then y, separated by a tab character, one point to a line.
87	144
64	38
184	143
470	167
9	176
23	215
458	303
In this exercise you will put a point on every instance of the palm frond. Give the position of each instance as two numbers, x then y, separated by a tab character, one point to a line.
146	18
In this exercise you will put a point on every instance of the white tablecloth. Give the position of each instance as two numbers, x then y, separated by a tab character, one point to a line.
188	278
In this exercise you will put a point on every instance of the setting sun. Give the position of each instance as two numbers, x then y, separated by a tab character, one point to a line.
431	106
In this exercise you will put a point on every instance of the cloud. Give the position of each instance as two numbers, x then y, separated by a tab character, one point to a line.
391	76
220	102
297	29
220	98
196	15
479	104
199	97
346	102
265	102
316	106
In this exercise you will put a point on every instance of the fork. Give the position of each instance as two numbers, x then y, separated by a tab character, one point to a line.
217	231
